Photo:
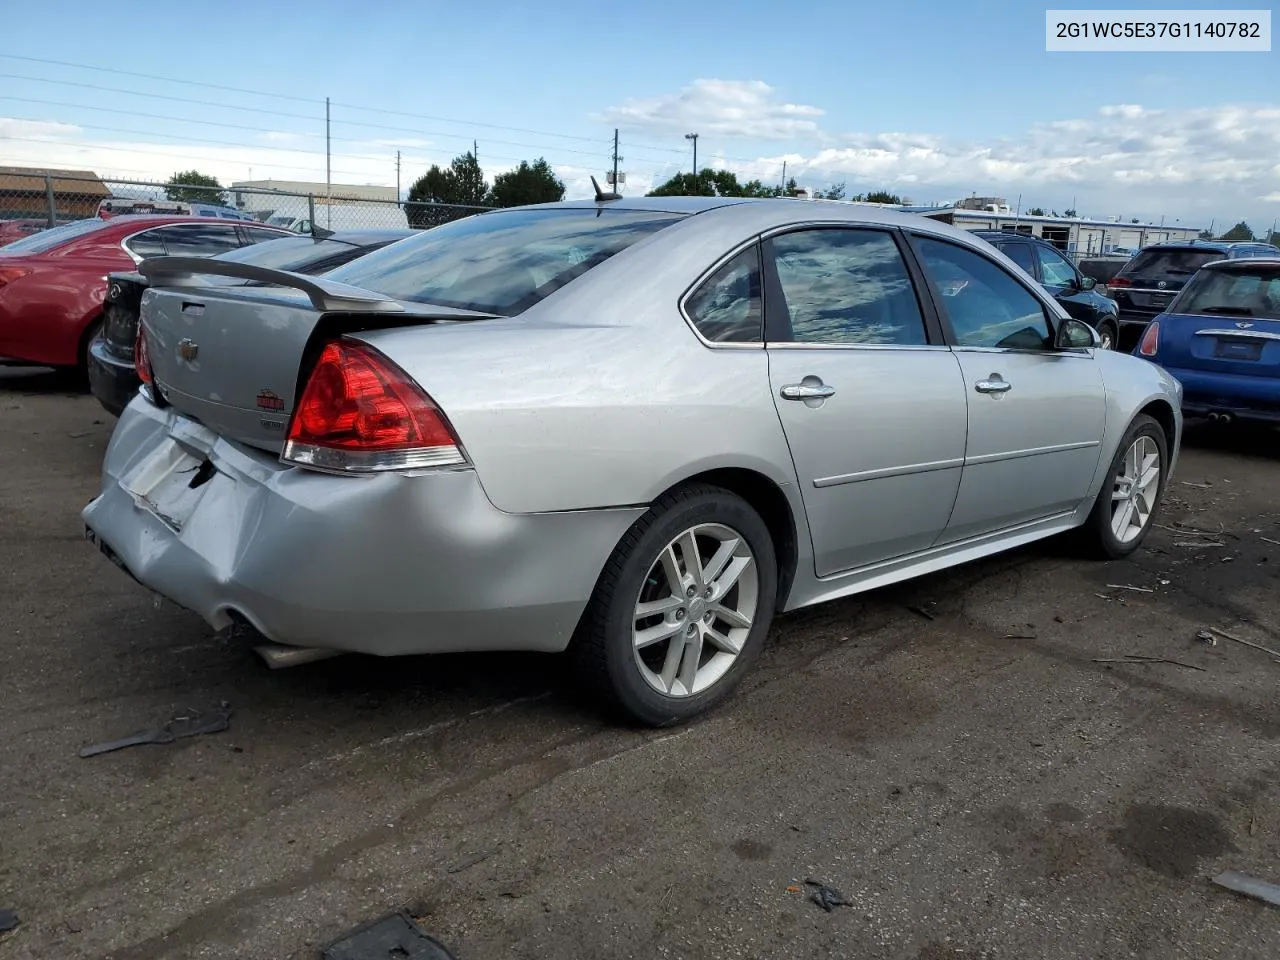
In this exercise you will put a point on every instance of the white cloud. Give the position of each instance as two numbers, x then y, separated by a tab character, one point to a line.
17	127
721	108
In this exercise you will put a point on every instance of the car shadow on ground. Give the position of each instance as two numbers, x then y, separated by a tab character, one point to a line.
41	381
1258	441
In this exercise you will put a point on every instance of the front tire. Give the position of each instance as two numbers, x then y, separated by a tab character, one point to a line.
1110	335
682	608
1127	504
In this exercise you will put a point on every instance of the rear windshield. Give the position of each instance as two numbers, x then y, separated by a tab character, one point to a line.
1170	264
54	236
289	253
1254	292
502	262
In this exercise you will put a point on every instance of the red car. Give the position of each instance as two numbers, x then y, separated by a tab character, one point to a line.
52	283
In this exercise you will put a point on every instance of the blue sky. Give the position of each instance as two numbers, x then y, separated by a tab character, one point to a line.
932	99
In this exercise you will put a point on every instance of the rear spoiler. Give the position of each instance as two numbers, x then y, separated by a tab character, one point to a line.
325	295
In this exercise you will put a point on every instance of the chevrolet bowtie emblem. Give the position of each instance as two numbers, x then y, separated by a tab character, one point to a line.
188	349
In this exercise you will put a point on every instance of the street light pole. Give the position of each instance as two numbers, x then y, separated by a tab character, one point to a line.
694	138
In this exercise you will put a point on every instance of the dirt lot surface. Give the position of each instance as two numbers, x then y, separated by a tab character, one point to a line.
977	784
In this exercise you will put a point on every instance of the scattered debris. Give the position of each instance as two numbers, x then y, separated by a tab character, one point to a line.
395	935
1125	586
1137	658
1249	886
1253	825
793	889
8	920
1202	486
1019	636
1269	540
923	612
1247	643
1057	618
190	723
1204	636
828	898
1198	543
79	434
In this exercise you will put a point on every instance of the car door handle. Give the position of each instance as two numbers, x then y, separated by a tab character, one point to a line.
994	385
807	391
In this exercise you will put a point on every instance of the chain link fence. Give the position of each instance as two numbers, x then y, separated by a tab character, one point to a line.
31	201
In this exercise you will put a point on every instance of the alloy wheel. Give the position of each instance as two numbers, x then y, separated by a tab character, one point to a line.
1137	483
695	610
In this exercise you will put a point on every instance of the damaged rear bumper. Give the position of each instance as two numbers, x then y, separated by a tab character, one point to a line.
385	565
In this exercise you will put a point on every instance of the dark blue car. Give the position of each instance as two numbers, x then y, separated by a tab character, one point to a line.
1220	338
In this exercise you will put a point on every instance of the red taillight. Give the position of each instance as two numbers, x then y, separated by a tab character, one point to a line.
1150	339
141	357
10	274
359	412
1119	282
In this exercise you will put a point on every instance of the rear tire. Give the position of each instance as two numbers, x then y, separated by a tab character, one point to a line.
661	652
1130	497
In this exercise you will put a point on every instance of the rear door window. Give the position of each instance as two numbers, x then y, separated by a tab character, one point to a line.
199	239
1166	265
1019	253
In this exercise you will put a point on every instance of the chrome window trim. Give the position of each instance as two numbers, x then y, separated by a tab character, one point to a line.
1239	334
792	345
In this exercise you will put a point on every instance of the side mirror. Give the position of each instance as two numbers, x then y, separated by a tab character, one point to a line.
1077	335
1087	283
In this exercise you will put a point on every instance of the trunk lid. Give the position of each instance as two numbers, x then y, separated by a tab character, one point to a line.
232	357
1227	344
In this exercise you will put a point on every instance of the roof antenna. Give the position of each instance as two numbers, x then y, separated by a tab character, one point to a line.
601	196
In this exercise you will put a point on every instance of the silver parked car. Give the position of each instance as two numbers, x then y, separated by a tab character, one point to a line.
635	429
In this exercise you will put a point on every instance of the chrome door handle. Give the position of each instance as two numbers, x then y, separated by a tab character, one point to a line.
807	391
995	385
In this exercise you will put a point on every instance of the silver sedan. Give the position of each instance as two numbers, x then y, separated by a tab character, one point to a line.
631	429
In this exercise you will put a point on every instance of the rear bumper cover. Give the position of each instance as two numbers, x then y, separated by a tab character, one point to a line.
113	380
1244	397
386	565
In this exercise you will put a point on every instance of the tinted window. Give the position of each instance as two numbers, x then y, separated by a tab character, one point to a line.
146	245
987	307
847	286
259	235
1054	271
502	262
55	236
1170	264
1019	253
199	239
726	308
1254	292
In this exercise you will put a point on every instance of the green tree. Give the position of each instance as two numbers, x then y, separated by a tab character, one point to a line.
1241	231
528	183
192	186
1274	239
462	182
833	192
882	196
1069	212
1036	212
1206	234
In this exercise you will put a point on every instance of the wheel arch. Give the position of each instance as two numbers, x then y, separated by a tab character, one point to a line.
771	503
1162	412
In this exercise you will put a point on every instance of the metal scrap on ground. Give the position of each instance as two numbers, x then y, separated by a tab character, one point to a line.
1249	886
1138	658
1247	643
394	936
189	723
8	920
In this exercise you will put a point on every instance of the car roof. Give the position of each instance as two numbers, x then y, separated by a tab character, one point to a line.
363	238
765	213
1242	264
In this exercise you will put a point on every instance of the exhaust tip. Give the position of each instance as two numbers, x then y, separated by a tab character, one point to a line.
278	655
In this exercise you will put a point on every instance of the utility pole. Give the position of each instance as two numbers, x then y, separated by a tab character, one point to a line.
328	169
694	138
397	178
616	158
784	176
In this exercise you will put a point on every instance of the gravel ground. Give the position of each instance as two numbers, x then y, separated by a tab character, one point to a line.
977	784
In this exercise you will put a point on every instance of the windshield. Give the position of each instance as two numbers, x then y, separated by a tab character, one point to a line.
1162	264
502	262
287	253
54	236
1254	292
